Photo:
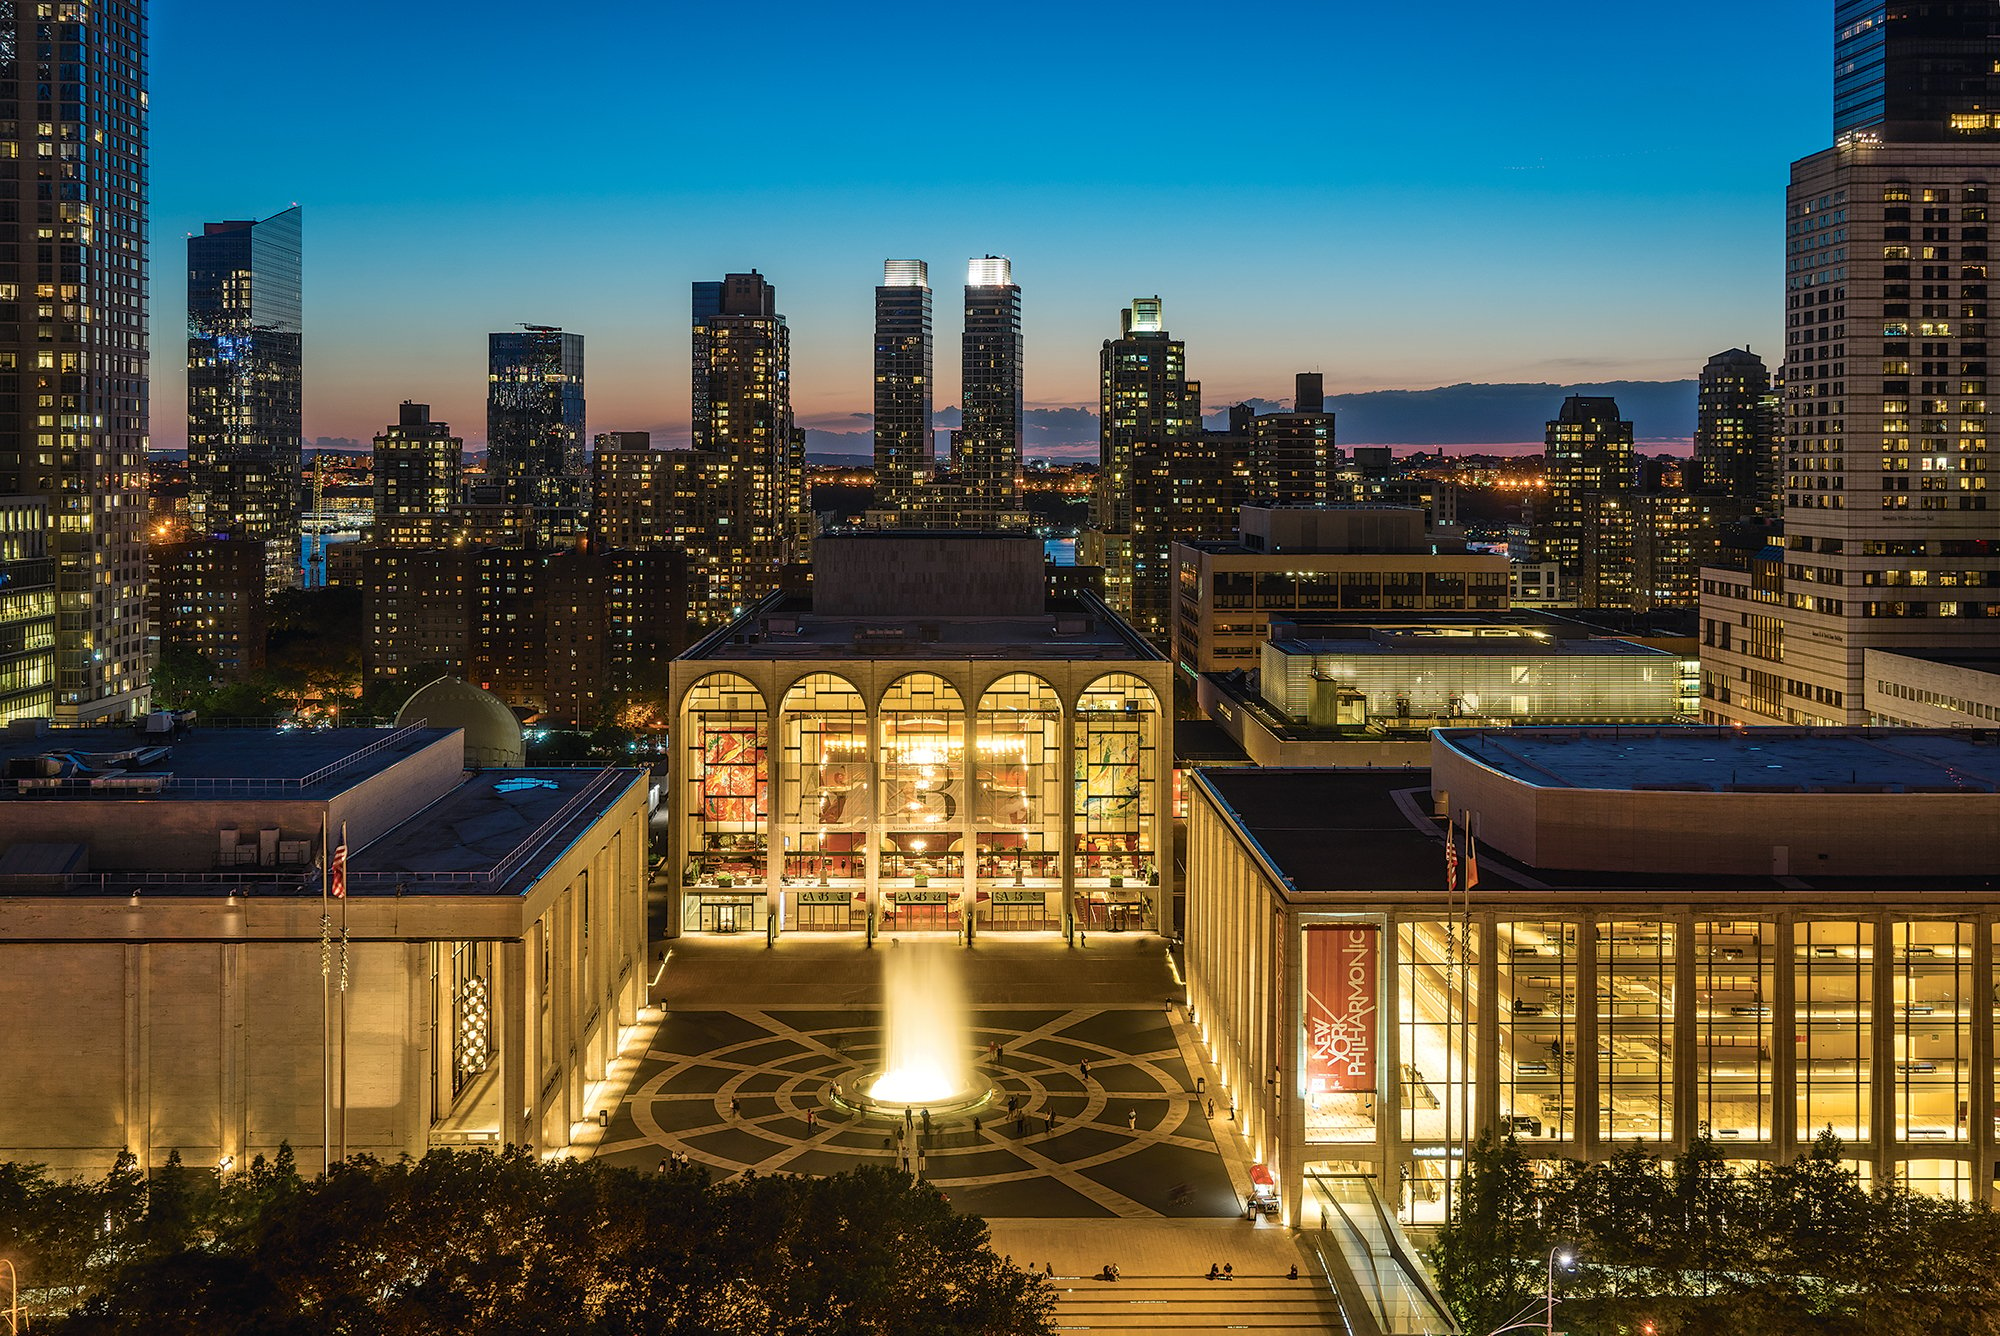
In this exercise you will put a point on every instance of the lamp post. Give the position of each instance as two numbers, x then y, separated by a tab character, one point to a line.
14	1297
1558	1257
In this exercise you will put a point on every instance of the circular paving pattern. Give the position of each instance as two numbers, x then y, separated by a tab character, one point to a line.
744	1091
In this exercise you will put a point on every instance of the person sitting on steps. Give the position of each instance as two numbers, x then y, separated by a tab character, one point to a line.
1214	1271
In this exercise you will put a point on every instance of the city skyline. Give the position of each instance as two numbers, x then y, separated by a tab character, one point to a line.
1632	242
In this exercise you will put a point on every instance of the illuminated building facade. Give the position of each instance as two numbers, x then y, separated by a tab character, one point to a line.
1295	461
1736	430
245	372
73	327
754	515
1821	958
1911	74
535	426
1587	528
929	741
209	597
987	451
27	611
1287	563
495	932
1149	424
418	469
1887	480
904	446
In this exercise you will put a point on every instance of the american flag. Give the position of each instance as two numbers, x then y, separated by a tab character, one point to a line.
1450	856
336	872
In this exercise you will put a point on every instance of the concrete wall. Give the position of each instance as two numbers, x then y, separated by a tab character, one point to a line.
928	575
195	1024
1741	834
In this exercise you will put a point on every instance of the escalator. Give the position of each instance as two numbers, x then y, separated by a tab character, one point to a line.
1383	1287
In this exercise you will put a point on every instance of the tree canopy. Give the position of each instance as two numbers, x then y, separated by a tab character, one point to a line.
470	1241
1694	1245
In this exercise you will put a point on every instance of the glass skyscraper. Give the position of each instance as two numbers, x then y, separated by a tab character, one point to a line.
534	424
73	326
245	386
1916	73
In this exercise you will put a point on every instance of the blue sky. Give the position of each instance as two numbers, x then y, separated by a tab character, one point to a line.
1398	195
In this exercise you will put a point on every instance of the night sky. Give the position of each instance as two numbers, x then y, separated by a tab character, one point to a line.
1399	195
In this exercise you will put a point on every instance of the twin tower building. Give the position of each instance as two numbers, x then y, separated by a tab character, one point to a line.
979	485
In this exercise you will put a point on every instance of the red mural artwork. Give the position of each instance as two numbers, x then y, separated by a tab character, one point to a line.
1340	1008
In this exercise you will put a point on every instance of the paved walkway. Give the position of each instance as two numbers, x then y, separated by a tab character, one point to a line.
732	1090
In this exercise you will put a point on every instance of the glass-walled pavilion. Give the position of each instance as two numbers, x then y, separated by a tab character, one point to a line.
881	796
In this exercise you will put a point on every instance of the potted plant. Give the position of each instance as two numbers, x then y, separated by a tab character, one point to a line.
922	879
725	879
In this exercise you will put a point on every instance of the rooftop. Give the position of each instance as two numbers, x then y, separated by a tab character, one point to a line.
1361	832
1382	640
204	763
1750	760
786	627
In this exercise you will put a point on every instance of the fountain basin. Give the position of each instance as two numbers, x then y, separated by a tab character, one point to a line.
884	1095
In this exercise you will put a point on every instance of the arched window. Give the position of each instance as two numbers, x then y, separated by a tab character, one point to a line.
1116	740
725	763
1018	784
920	774
828	779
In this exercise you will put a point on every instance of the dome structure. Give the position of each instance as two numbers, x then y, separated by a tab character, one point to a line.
492	733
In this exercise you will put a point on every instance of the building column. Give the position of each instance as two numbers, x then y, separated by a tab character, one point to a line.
775	825
872	828
1884	1017
1686	1107
510	997
1784	1041
1391	1146
418	1044
1980	1097
968	812
1486	1062
1585	1098
234	1123
1068	862
1291	1137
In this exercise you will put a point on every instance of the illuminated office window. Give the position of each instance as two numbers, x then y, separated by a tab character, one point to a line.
1832	964
1734	980
1933	1030
1537	998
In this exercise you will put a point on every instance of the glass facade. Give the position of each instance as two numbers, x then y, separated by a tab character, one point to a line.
1021	808
1116	798
245	379
535	424
1735	987
1515	678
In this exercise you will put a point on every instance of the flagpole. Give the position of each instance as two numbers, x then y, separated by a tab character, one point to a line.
326	1000
343	999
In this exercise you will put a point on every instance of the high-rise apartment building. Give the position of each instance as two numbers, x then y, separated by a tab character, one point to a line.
27	610
988	458
535	424
418	469
904	446
1149	426
1735	433
1586	525
754	516
245	387
1889	516
1295	461
73	326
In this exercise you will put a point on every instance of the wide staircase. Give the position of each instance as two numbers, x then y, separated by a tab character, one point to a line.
1267	1304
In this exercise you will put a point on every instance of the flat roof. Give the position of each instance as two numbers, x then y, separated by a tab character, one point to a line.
1750	759
494	833
206	762
1495	644
786	627
1355	831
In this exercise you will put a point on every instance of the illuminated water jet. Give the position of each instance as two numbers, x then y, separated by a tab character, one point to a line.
927	1040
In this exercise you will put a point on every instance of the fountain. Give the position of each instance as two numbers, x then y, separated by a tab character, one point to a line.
927	1043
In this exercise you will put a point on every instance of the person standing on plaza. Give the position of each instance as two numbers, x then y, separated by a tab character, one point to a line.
1132	1119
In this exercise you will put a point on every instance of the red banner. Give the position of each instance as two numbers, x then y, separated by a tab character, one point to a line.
1340	1008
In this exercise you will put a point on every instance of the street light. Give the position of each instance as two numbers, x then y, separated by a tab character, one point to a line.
1558	1257
14	1301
